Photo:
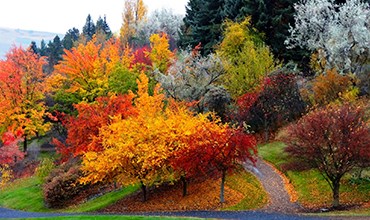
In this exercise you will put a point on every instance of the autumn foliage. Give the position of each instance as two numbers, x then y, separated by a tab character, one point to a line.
162	143
334	139
83	130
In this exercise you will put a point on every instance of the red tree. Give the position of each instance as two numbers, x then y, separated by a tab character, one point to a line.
334	140
9	151
83	130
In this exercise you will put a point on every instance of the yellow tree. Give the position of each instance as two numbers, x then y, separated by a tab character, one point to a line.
133	12
21	94
161	144
246	59
160	53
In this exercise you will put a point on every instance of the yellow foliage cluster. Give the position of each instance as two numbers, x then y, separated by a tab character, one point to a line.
160	54
246	59
6	175
138	148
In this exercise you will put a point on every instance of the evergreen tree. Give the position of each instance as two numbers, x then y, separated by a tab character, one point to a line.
42	50
54	53
102	27
202	24
89	28
33	47
70	37
272	18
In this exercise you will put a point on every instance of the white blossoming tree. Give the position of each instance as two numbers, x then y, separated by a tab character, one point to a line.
339	33
193	78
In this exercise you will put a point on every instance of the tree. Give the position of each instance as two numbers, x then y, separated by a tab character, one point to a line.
84	71
202	24
83	129
89	29
192	78
159	21
134	12
272	18
22	93
337	32
9	151
70	38
334	140
160	53
103	28
147	148
330	87
54	53
246	59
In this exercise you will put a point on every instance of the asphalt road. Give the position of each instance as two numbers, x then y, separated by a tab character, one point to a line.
8	213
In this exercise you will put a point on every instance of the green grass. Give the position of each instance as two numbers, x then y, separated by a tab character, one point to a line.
274	153
26	194
103	201
23	194
247	184
312	189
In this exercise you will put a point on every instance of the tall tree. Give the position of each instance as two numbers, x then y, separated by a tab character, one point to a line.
22	93
103	28
202	24
89	28
54	53
272	18
334	140
339	33
246	59
134	12
70	38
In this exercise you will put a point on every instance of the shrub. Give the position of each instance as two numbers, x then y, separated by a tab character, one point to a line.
44	169
62	186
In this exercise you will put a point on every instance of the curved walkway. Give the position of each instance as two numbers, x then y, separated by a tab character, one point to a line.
274	186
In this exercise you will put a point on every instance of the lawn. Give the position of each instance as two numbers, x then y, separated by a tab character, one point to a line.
312	189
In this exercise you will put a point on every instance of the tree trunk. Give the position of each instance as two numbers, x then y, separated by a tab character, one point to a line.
25	144
336	185
222	190
184	186
143	189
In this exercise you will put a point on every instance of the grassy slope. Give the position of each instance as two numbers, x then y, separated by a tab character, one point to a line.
312	189
26	194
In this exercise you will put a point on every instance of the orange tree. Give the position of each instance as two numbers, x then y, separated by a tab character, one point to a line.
22	93
334	139
143	148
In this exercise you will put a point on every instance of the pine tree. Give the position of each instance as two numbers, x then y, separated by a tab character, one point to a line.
202	24
54	53
272	18
43	48
102	27
70	37
89	29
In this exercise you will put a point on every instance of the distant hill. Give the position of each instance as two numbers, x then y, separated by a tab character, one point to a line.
9	37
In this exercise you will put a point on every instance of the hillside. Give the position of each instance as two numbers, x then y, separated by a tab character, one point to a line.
8	37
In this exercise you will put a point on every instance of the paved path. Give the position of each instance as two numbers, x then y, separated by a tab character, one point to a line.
274	186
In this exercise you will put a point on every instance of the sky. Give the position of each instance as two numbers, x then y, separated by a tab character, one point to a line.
60	16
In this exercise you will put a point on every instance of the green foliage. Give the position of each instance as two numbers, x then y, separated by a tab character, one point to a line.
246	59
202	24
45	167
122	80
272	18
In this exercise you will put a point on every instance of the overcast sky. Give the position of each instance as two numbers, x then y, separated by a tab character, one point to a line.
59	16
